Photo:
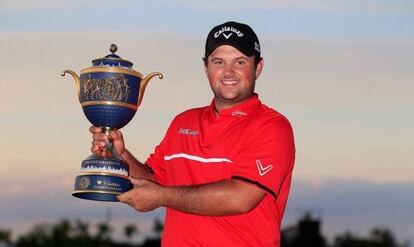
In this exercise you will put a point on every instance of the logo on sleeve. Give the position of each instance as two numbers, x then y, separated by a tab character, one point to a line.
187	132
263	170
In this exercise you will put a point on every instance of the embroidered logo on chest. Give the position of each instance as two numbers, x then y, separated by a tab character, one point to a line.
187	132
263	169
238	113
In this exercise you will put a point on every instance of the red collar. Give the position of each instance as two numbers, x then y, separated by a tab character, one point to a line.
240	110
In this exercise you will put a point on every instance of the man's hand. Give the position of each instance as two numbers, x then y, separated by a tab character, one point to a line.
145	196
100	139
221	198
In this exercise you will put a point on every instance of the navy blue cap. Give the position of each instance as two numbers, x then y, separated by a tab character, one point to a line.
238	35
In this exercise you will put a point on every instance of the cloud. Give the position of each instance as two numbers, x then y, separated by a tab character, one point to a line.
36	68
346	70
371	6
231	6
22	5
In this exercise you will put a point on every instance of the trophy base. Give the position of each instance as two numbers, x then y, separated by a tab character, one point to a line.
96	196
102	179
100	187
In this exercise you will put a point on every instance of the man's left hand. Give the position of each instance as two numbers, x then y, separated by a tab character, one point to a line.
145	196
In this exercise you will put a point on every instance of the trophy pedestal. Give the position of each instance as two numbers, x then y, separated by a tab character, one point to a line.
102	179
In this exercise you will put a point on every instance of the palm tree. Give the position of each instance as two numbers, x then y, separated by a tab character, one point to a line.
61	232
5	237
104	231
158	227
82	228
130	230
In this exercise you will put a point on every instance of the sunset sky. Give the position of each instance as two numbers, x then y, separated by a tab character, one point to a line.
340	70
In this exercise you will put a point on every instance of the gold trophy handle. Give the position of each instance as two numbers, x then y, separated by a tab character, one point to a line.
144	83
76	77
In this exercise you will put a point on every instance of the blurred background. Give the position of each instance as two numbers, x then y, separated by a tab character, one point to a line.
340	70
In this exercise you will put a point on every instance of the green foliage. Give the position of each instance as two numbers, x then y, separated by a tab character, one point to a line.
379	237
68	233
158	227
73	233
130	231
5	236
65	234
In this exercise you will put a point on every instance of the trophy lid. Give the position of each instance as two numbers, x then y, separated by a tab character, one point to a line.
112	60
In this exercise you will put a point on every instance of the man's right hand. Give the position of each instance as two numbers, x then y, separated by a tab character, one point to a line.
100	139
136	168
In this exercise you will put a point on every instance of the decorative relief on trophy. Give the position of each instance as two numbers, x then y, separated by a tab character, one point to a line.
110	92
115	88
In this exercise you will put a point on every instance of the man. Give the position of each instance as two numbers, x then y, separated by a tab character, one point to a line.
222	171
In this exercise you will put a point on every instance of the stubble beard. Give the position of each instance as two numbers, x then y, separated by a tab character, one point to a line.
228	97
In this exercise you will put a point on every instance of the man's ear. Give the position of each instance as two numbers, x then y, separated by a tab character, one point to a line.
259	68
205	64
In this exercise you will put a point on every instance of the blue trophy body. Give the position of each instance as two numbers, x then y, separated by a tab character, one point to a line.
110	92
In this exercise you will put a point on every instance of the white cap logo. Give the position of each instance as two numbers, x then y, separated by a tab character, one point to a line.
257	47
228	29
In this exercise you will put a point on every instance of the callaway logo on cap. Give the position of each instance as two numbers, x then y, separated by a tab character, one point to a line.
238	35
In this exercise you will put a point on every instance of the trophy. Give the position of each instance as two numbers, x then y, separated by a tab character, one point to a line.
110	92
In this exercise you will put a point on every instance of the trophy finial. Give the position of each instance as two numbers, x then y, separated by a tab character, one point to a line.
113	48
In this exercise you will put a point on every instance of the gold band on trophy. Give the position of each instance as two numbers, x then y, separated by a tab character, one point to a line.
97	191
105	102
113	70
103	173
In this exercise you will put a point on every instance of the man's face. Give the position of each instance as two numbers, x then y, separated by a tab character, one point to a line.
232	76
